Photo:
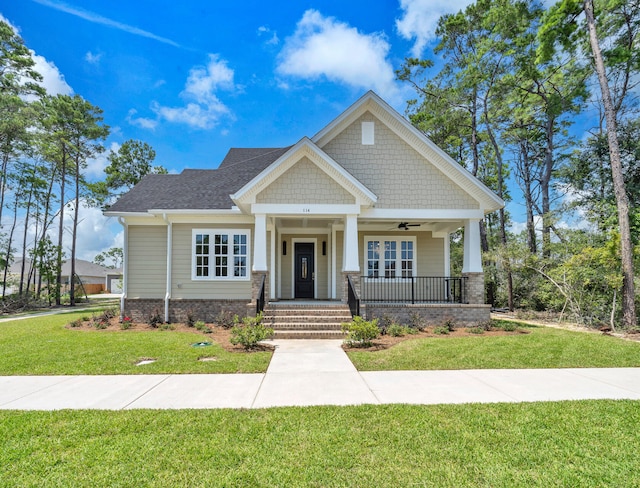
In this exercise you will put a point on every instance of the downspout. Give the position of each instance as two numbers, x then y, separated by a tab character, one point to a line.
125	264
167	295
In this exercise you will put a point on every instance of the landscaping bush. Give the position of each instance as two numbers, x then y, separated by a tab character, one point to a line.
202	327
449	323
154	319
76	323
475	330
126	323
508	326
441	329
396	330
360	332
191	319
384	323
416	321
250	332
226	319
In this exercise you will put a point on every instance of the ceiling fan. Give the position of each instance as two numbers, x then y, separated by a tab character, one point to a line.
406	225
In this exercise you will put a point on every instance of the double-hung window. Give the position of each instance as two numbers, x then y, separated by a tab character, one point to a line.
390	257
220	254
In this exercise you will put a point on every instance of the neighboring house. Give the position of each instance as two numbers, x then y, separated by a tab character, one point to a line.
362	210
96	278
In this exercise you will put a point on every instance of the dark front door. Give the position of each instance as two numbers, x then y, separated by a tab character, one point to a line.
304	272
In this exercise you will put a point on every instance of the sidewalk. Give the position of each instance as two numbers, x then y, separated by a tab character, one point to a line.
314	372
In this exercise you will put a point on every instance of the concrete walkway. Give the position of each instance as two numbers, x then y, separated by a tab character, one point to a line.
314	372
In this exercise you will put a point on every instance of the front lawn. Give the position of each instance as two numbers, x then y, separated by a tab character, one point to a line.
586	443
43	346
541	347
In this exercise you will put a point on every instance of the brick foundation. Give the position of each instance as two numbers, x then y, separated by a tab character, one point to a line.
139	309
433	314
475	292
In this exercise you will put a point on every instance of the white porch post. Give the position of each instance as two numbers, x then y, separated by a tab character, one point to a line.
447	254
350	260
272	259
260	243
472	262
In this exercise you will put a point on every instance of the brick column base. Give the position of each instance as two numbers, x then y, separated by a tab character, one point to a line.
256	281
355	279
475	293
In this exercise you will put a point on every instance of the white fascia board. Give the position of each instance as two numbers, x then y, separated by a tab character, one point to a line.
304	209
222	211
127	214
421	214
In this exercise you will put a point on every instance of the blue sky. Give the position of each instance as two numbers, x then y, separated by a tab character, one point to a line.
194	78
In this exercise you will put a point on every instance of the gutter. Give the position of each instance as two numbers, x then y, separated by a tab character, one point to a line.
167	295
125	265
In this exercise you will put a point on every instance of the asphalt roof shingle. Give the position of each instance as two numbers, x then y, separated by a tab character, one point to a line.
199	189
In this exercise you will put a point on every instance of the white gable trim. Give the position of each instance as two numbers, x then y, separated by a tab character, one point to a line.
305	147
371	102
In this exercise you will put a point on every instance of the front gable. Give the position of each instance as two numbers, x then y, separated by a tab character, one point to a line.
304	182
400	164
304	175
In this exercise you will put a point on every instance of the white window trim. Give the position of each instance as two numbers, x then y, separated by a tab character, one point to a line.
212	265
398	239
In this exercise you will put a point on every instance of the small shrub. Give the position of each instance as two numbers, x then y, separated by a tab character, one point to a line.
416	321
167	327
76	323
360	332
126	323
191	319
384	323
226	319
475	330
396	330
85	318
100	324
154	319
441	330
410	330
202	327
486	325
250	332
508	326
449	323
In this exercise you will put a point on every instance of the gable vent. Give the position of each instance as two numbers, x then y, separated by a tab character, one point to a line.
368	133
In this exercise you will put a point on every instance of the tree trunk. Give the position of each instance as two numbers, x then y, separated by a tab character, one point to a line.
72	284
626	249
544	188
63	177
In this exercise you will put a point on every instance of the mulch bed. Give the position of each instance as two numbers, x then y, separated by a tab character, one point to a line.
222	336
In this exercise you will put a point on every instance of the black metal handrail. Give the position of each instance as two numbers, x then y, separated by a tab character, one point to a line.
260	300
353	300
414	289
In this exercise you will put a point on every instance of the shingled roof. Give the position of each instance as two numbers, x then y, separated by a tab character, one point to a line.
198	189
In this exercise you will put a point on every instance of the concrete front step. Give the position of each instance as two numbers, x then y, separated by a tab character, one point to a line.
319	319
308	334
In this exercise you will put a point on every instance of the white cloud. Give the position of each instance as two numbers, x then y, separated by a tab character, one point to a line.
95	166
52	80
420	19
142	122
324	47
92	58
203	109
273	40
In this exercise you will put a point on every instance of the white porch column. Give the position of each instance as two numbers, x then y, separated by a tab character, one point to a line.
272	259
472	262
260	243
350	260
447	254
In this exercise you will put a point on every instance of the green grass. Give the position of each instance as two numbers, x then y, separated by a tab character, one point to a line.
43	346
542	348
586	443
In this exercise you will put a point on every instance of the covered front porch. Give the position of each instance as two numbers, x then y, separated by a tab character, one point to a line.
377	267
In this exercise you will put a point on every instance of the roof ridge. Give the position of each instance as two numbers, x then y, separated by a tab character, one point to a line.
231	165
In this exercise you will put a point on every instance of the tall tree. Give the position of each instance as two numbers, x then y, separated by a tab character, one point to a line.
561	27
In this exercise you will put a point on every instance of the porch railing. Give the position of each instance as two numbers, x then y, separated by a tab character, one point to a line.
352	299
260	300
415	289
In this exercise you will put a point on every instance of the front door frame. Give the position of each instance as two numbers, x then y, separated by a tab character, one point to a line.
307	240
